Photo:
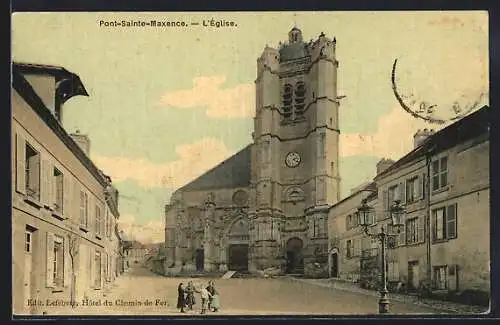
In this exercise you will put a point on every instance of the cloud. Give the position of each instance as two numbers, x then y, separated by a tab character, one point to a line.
393	138
233	102
193	160
152	232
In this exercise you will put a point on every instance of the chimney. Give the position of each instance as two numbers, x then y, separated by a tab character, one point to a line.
421	136
383	164
82	140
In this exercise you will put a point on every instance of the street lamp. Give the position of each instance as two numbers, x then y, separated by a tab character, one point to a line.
367	218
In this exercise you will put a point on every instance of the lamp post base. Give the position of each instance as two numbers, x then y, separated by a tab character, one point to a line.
383	305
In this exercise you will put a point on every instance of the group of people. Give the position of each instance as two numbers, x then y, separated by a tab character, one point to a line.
209	297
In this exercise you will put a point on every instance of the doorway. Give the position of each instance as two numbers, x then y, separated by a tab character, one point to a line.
294	258
238	257
200	259
413	275
334	270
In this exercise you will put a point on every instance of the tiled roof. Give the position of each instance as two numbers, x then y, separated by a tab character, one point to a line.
467	128
231	173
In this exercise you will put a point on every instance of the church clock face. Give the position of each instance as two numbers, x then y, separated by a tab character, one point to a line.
292	159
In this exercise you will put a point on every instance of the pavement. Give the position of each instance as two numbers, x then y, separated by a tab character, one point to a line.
444	306
141	292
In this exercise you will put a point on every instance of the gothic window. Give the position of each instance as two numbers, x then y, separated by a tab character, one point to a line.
300	94
287	100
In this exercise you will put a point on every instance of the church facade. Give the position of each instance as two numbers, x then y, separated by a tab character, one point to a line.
267	206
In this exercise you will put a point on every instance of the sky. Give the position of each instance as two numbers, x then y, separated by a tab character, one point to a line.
169	103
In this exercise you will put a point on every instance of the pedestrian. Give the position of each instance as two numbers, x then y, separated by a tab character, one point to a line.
215	301
211	290
205	295
181	297
190	290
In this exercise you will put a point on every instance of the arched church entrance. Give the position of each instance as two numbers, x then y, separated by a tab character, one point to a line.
238	239
294	258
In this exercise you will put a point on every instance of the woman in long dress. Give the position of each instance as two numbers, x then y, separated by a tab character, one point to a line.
181	297
215	303
190	300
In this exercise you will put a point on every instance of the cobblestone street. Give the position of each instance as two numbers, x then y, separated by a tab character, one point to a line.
250	296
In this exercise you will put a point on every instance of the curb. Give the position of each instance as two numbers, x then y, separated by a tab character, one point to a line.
394	298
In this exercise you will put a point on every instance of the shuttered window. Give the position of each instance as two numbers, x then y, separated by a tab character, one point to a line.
445	223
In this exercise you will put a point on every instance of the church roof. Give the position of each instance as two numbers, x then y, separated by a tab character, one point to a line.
232	172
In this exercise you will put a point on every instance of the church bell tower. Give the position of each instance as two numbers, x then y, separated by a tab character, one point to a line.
295	156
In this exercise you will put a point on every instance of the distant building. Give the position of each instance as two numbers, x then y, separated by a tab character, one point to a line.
445	186
137	253
58	196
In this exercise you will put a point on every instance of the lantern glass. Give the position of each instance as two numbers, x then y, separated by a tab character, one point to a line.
397	213
365	214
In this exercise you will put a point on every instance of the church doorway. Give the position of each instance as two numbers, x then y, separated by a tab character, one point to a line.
294	258
238	257
334	269
200	259
237	244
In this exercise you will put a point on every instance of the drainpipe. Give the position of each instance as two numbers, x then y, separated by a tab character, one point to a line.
428	213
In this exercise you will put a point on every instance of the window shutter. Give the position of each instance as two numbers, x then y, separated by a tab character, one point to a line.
402	192
49	276
402	236
35	180
44	184
92	266
20	166
76	201
106	222
421	229
451	221
385	198
67	196
101	275
433	225
102	224
67	263
53	188
91	212
423	186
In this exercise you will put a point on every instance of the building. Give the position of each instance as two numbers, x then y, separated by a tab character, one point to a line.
347	243
444	183
58	196
136	253
267	206
112	252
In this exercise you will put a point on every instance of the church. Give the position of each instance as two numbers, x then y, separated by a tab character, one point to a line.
267	206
